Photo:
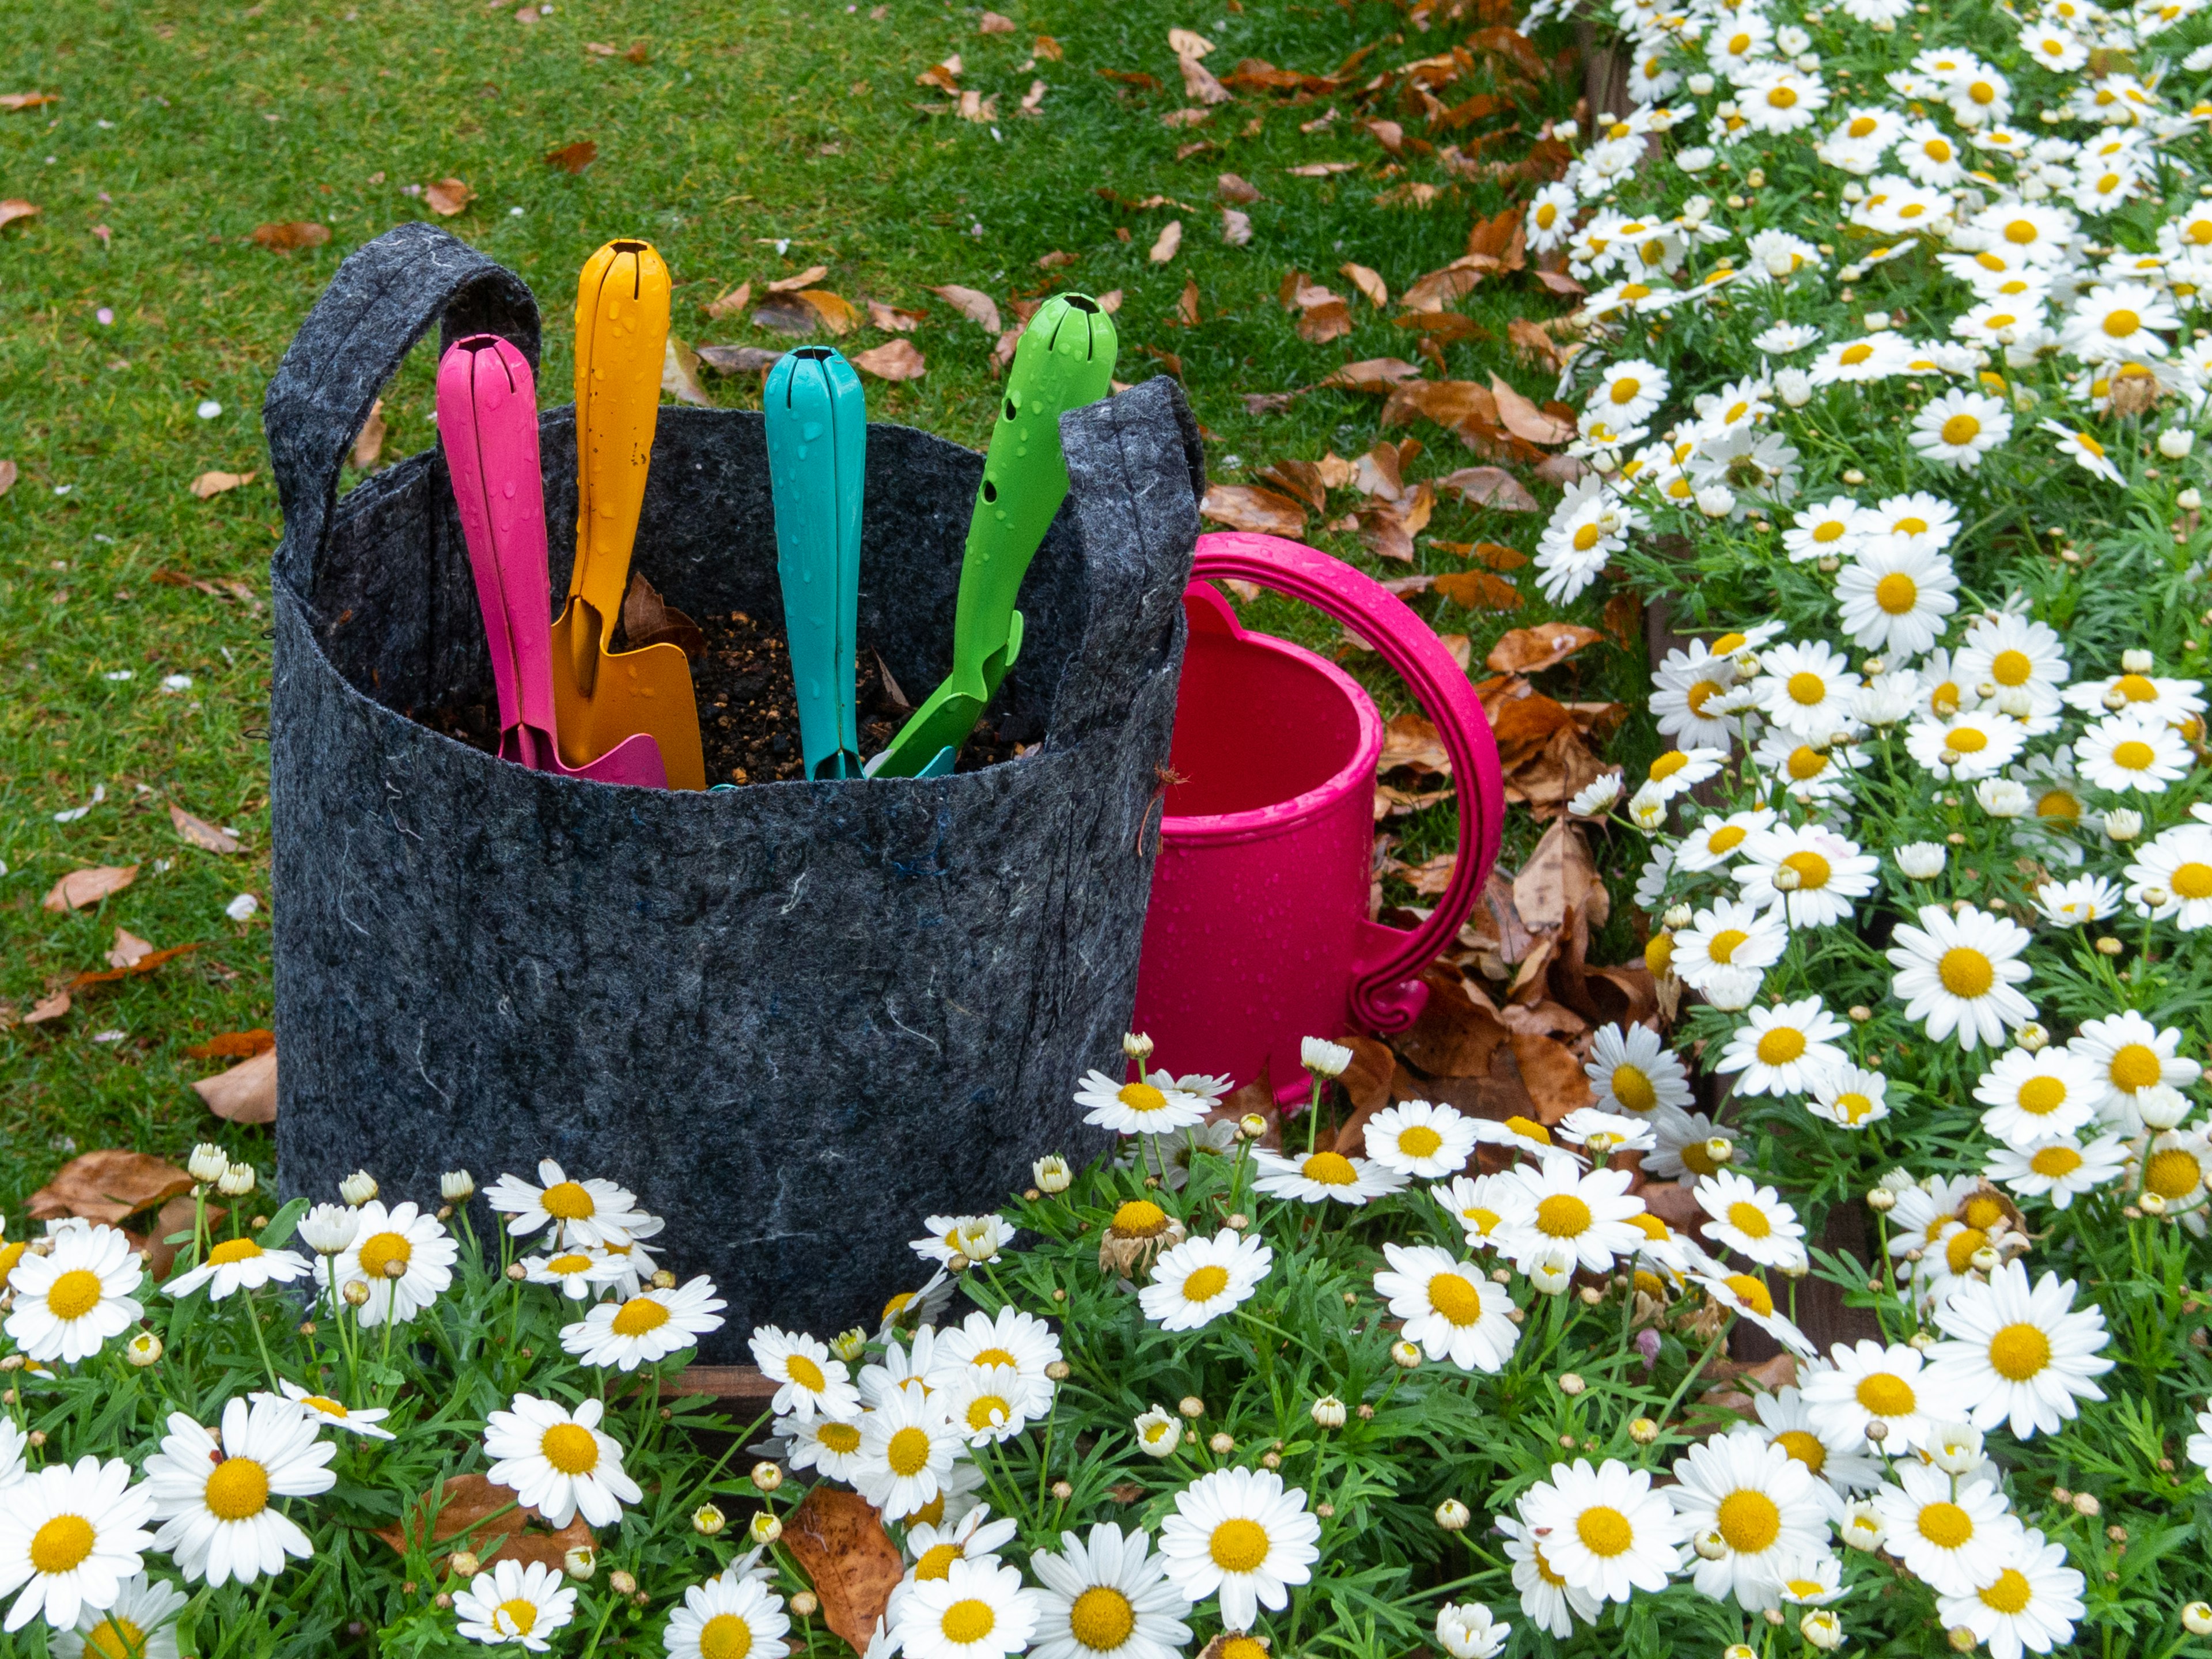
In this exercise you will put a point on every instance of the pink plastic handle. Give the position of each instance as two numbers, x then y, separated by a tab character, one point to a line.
1386	991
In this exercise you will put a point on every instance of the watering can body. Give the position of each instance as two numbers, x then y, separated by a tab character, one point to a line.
1258	933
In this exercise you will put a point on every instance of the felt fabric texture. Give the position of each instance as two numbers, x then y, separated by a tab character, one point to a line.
795	1019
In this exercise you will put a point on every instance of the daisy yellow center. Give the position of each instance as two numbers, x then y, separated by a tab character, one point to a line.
1946	1525
1697	1160
325	1405
801	1370
1738	44
1102	1619
2136	1066
1750	1521
1727	838
988	1411
1604	1530
515	1618
1983	1211
2042	1096
1812	871
570	1448
9	1256
2019	1352
565	1265
2200	232
62	1544
1961	428
1831	530
1959	1251
726	1635
1852	1107
1659	954
1966	973
1547	215
2134	756
74	1294
2094	448
1937	150
2122	323
567	1200
2055	1163
1650	1226
642	1313
1205	1284
1966	740
2010	668
937	1561
1805	763
930	1513
2010	1594
233	1250
1862	126
1701	694
238	1489
1805	1448
1724	944
1481	1220
1529	1131
1910	526
1140	1218
1781	97
1625	388
1669	763
1781	1045
1421	1141
1751	1292
907	1452
986	1357
1806	688
1998	320
1853	355
1586	538
116	1637
841	1437
2172	1174
1632	1087
380	1250
1239	1546
1142	1097
1563	1216
1450	1294
2191	880
2135	688
1329	1170
1885	1395
1749	1219
2058	804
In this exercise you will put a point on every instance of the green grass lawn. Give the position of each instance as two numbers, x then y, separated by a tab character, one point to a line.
751	142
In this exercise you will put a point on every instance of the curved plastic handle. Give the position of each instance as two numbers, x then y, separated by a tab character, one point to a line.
1386	991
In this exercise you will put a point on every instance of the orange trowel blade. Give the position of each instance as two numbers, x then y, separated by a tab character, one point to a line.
603	697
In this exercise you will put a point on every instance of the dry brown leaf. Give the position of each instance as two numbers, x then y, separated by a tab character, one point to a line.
1488	486
128	949
894	360
1033	100
1003	353
1247	507
1525	420
1188	43
1389	527
1302	479
247	1093
1373	375
1186	306
144	964
1553	1074
1046	47
573	158
1524	724
200	833
974	107
807	278
1478	590
368	442
731	303
1443	327
1526	650
1235	191
1560	282
28	100
48	1007
945	77
1389	135
679	374
1390	802
971	303
215	483
1557	877
891	319
1623	618
284	237
1235	227
1369	283
234	1045
994	23
1170	239
1458	1033
738	360
8	476
107	1186
1198	83
1439	289
1379	471
1058	259
1321	170
1531	340
835	311
448	197
81	889
1329	321
470	1504
838	1541
786	313
1409	740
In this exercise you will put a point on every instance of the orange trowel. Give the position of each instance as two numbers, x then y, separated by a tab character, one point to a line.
603	695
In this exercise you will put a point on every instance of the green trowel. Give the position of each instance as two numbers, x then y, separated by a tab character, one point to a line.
1065	360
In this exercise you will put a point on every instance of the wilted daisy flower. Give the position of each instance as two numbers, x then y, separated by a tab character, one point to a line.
1761	1503
1849	1097
1871	1384
2129	1055
1201	1279
1631	1071
214	1498
729	1616
1957	971
559	1462
1130	1108
1545	1595
907	1448
1238	1535
2037	1096
1320	1177
325	1412
1448	1307
2017	1352
1825	873
2177	864
1604	1530
1416	1138
69	1537
141	1624
1729	933
2060	1168
511	1603
72	1299
1107	1597
2029	1604
646	1328
1750	1219
581	1212
1782	1050
578	1273
404	1256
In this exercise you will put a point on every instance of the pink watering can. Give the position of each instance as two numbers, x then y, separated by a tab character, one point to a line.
1258	932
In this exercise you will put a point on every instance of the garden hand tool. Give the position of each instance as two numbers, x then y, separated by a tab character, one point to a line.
487	426
603	695
817	444
1065	360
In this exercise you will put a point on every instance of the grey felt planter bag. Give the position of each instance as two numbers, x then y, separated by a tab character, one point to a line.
794	1018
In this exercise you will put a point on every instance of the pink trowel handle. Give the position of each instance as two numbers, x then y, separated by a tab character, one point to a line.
1386	991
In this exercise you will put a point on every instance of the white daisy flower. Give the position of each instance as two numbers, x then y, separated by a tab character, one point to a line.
1238	1535
729	1616
1417	1138
1602	1133
2060	1169
2017	1353
1806	688
1630	391
1545	1595
1952	1534
1631	1071
1727	934
1747	1296
807	1379
214	1498
1107	1597
1782	339
1957	429
1965	747
1843	1464
2150	698
1750	1219
580	1272
977	1237
957	1489
1831	530
2029	1604
1320	1177
2176	864
1578	1220
1131	1108
508	1602
2038	1097
2116	323
581	1212
1682	1153
1685	686
1009	1337
1521	1133
1806	773
239	1264
1875	357
1958	971
984	1404
1784	1050
1479	1204
1762	1507
2126	752
1604	1530
1470	1631
907	1449
2078	902
974	1537
2084	451
978	1610
559	1462
1871	1383
1826	871
646	1328
1850	1098
2178	1168
1201	1279
2129	1055
1897	598
325	1412
2200	1443
402	1255
69	1537
1550	217
1678	769
1449	1307
1717	840
141	1624
70	1301
820	1442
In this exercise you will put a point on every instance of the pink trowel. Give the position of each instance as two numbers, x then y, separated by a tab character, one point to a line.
487	426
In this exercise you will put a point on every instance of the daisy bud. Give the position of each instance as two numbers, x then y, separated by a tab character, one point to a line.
517	1271
766	1476
1700	84
957	1263
806	1604
1877	1430
766	1529
1059	1370
1158	1433
1547	1276
1731	989
707	1521
1323	1058
2109	946
2156	898
1678	917
1954	1447
664	1280
2189	501
2197	1619
1863	1530
1136	1045
621	1582
142	1350
1572	1384
1881	1200
2152	1203
1821	1629
1715	500
1052	1174
1796	387
1710	1546
358	1187
2001	797
848	1345
580	1562
2162	1107
1328	1412
355	1293
2032	1038
1642	1431
329	1229
2137	661
1858	1013
2115	700
1452	1515
236	1182
1785	879
1405	1355
1922	860
1221	1444
1739	1651
1191	1406
207	1164
1962	1639
1720	1149
1062	1492
2084	1504
457	1185
463	1564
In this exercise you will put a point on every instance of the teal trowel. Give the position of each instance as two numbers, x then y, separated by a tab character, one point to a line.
1065	360
817	449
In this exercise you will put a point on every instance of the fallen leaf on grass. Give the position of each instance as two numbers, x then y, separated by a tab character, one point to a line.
1045	46
1249	507
807	278
1526	650
1198	83
1478	590
836	312
48	1007
1166	360
679	374
786	314
1369	283
28	100
1411	741
1525	420
247	1093
894	360
8	476
892	320
1321	170
1328	320
1235	227
573	158
200	833
1444	327
107	1186
1302	479
1560	282
128	949
976	307
838	1541
994	23
1188	43
738	360
941	76
1389	135
81	889
1532	340
1170	239
215	483
731	303
1033	100
234	1045
448	197
1186	306
285	236
1557	876
470	1504
1488	486
1373	375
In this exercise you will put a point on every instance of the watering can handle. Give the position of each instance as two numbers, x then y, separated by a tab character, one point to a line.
1387	991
